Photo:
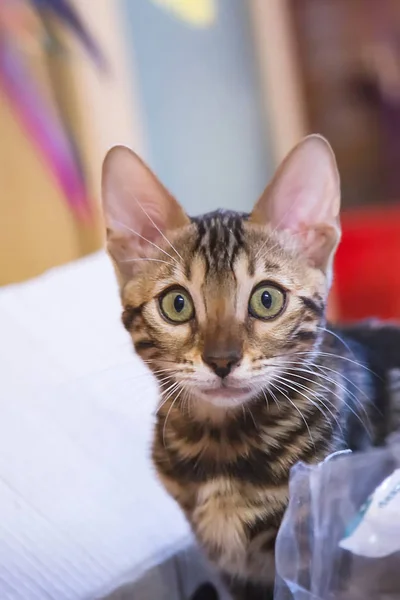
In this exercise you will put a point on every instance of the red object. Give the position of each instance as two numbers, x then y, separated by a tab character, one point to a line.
367	281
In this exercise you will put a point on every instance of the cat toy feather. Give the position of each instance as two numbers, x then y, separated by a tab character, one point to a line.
65	12
44	123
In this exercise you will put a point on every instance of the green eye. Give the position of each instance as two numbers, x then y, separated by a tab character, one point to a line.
266	302
177	306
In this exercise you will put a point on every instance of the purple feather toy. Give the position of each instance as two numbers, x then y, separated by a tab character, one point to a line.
39	119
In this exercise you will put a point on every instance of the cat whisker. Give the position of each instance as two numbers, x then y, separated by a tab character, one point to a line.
162	362
354	362
149	373
168	413
297	409
276	243
271	247
341	386
165	422
118	223
158	229
318	400
266	398
330	380
189	399
166	369
170	372
316	404
275	399
166	395
346	390
332	355
170	385
185	402
341	399
335	335
163	380
261	248
321	399
251	414
129	260
346	379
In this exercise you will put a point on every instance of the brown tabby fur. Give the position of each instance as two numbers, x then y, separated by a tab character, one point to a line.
198	448
228	465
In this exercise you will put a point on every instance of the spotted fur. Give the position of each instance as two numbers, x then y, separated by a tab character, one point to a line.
311	389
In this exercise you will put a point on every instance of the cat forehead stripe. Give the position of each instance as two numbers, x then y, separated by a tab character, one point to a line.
220	238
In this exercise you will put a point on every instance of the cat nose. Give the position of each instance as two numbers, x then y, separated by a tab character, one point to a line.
222	364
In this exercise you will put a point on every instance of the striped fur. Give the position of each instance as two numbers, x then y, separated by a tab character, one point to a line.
228	467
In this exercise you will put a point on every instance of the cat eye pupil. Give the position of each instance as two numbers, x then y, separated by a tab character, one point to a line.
176	306
266	299
179	303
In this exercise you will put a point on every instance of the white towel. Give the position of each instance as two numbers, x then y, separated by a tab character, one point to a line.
80	507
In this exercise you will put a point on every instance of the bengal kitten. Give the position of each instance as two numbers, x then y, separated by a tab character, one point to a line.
228	311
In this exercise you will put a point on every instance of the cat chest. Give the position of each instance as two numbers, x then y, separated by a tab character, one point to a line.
224	518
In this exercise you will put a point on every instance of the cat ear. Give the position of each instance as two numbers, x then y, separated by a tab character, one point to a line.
304	198
138	210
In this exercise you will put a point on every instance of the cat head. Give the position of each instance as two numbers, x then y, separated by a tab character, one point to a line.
219	304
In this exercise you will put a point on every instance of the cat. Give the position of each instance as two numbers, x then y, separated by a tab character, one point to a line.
228	311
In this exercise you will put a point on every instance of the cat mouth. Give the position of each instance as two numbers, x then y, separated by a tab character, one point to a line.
227	393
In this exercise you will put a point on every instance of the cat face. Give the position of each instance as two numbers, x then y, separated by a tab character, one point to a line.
219	305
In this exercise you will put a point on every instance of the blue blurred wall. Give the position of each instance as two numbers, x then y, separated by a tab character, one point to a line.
202	107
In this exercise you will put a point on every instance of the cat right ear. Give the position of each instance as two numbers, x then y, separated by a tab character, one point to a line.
138	210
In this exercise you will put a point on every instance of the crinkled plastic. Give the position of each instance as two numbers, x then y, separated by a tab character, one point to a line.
340	537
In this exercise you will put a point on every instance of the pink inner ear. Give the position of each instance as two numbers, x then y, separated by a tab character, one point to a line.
318	243
304	198
305	191
151	237
138	210
291	209
307	208
136	233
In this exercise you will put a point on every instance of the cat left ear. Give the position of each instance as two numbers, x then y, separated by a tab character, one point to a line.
138	210
304	199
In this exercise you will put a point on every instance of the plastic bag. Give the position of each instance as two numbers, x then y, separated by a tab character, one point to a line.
340	537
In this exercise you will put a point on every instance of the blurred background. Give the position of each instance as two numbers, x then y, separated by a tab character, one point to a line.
212	94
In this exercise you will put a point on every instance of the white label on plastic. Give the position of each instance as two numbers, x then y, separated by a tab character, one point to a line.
376	530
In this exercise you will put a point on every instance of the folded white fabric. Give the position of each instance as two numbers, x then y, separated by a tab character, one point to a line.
80	507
